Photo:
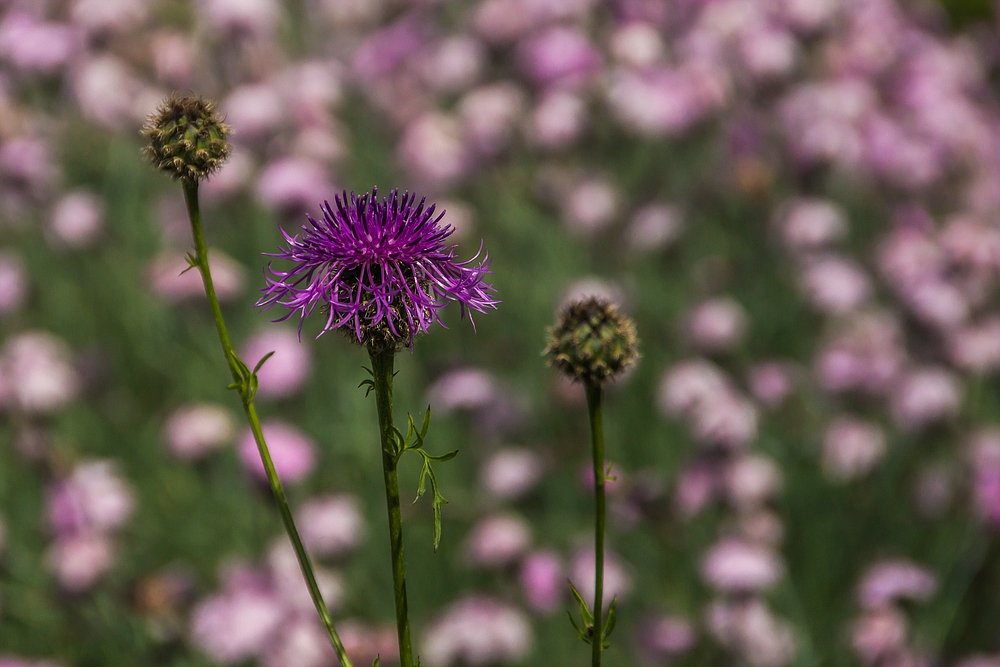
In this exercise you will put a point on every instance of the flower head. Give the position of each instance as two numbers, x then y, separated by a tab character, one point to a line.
187	138
378	268
592	341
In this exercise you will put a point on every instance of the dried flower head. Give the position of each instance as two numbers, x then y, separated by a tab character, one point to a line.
592	341
187	138
378	268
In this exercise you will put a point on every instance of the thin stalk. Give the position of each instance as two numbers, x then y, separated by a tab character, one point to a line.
201	261
382	376
597	439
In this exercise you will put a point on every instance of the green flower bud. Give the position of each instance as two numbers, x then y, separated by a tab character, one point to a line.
592	342
187	139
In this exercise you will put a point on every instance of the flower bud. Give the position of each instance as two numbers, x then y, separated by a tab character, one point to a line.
187	139
591	341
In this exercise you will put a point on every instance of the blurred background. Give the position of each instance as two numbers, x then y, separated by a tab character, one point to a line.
797	200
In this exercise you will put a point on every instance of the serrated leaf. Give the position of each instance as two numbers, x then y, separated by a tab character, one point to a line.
588	618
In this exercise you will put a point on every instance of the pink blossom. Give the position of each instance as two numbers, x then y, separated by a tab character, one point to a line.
823	120
292	451
924	396
78	561
696	487
653	227
510	473
41	363
293	183
734	566
27	162
240	16
13	283
590	206
617	581
364	643
543	580
877	634
770	382
637	45
284	373
462	389
835	285
558	120
752	480
255	110
498	540
432	149
689	385
751	630
664	101
891	580
726	420
478	631
865	354
489	114
192	431
664	637
171	277
455	64
174	57
813	223
561	57
331	525
108	15
977	348
36	47
851	447
389	48
768	52
109	93
286	580
718	325
77	218
235	625
302	642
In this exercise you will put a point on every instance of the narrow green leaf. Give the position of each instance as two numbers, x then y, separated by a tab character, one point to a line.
588	618
427	423
262	360
609	626
443	457
579	631
378	661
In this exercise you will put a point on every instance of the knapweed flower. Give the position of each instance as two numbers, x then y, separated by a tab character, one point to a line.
379	268
592	341
187	138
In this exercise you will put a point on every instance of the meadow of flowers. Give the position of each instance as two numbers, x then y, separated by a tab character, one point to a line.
796	201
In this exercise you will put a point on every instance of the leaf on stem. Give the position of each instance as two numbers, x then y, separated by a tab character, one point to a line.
587	632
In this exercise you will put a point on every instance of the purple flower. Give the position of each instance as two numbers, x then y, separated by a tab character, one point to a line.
378	268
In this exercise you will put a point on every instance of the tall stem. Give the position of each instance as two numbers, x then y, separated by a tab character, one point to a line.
382	372
597	439
201	260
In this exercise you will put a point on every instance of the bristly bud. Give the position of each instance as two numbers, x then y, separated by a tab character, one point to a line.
592	341
187	138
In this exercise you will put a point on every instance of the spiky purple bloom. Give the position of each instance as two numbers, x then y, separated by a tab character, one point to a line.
378	267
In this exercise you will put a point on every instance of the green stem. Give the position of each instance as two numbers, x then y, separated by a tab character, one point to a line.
201	260
597	439
382	374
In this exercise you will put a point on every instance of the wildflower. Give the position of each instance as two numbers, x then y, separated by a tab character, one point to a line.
187	138
378	268
592	342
